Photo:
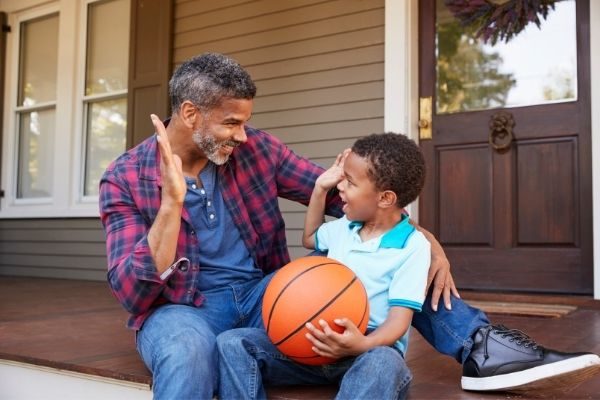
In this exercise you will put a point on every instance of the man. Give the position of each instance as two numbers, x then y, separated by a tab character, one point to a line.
193	229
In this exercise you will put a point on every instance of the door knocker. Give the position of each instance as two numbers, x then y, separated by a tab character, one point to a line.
501	130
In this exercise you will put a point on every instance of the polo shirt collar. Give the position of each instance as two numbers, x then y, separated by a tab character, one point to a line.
395	238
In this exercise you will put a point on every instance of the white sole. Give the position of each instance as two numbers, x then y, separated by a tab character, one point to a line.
560	376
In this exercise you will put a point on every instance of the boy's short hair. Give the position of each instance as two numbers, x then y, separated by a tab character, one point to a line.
395	163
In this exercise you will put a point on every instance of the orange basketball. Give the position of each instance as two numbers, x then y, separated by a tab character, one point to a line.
306	290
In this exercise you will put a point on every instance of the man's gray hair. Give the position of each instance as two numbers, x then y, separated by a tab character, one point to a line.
207	79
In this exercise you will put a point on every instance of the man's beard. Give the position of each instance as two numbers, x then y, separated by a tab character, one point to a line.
207	143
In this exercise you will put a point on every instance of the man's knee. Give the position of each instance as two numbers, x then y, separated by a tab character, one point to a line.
184	364
174	342
188	348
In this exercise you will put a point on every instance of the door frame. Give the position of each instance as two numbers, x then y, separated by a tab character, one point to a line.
401	93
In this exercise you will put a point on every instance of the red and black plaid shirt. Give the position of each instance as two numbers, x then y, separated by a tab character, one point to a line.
258	172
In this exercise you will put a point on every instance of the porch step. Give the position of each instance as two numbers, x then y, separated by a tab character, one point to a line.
65	339
22	381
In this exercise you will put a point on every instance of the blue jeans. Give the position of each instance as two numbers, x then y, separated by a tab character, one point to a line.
248	360
449	331
178	343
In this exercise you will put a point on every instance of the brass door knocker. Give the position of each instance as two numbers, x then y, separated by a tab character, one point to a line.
501	130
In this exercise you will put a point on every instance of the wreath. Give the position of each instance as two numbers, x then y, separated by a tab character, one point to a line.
492	21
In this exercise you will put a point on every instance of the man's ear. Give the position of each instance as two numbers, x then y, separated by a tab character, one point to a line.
189	113
387	199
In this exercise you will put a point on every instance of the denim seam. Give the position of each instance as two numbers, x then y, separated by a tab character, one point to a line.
236	299
252	384
402	385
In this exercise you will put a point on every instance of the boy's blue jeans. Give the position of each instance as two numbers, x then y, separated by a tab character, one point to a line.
248	361
178	343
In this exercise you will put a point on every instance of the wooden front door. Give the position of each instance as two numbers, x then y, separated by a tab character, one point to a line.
508	191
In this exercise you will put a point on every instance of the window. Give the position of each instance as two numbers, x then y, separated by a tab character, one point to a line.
66	113
105	97
36	106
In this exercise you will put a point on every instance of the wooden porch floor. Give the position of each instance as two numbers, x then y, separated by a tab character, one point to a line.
79	326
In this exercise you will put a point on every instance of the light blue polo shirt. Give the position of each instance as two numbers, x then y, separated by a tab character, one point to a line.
393	267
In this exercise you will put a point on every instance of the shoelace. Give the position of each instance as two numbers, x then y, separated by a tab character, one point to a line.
514	335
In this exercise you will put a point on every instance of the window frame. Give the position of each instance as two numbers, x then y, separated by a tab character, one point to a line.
82	110
68	173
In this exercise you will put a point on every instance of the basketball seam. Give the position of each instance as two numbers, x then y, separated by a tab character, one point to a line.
318	312
364	311
288	284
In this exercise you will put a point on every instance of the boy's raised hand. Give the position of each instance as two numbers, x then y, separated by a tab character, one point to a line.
328	343
335	174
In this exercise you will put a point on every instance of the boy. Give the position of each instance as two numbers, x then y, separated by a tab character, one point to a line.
376	179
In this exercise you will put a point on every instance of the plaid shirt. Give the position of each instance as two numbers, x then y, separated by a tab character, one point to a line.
257	173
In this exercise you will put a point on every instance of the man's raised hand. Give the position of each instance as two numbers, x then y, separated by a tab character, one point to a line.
171	170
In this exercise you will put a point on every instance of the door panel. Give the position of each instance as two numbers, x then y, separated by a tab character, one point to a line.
467	219
547	207
519	217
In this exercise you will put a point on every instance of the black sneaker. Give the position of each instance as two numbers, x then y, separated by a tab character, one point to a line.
505	359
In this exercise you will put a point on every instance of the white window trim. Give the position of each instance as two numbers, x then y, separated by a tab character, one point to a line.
69	147
11	206
81	109
78	139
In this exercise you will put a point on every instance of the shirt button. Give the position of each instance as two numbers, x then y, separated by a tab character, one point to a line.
208	203
192	232
202	191
194	186
189	291
183	267
211	216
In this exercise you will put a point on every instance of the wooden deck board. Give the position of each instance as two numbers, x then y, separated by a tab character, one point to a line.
79	326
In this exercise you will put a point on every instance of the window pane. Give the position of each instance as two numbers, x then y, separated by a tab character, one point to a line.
106	124
36	154
107	47
38	59
537	66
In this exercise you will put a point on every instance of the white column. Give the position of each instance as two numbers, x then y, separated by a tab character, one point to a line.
401	72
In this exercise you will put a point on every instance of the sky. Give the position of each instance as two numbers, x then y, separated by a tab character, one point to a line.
536	57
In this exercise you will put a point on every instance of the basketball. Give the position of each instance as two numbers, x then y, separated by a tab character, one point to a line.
306	290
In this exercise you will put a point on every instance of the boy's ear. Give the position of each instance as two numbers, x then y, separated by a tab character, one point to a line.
189	113
387	199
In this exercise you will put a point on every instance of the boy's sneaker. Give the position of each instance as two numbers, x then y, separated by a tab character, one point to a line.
504	359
